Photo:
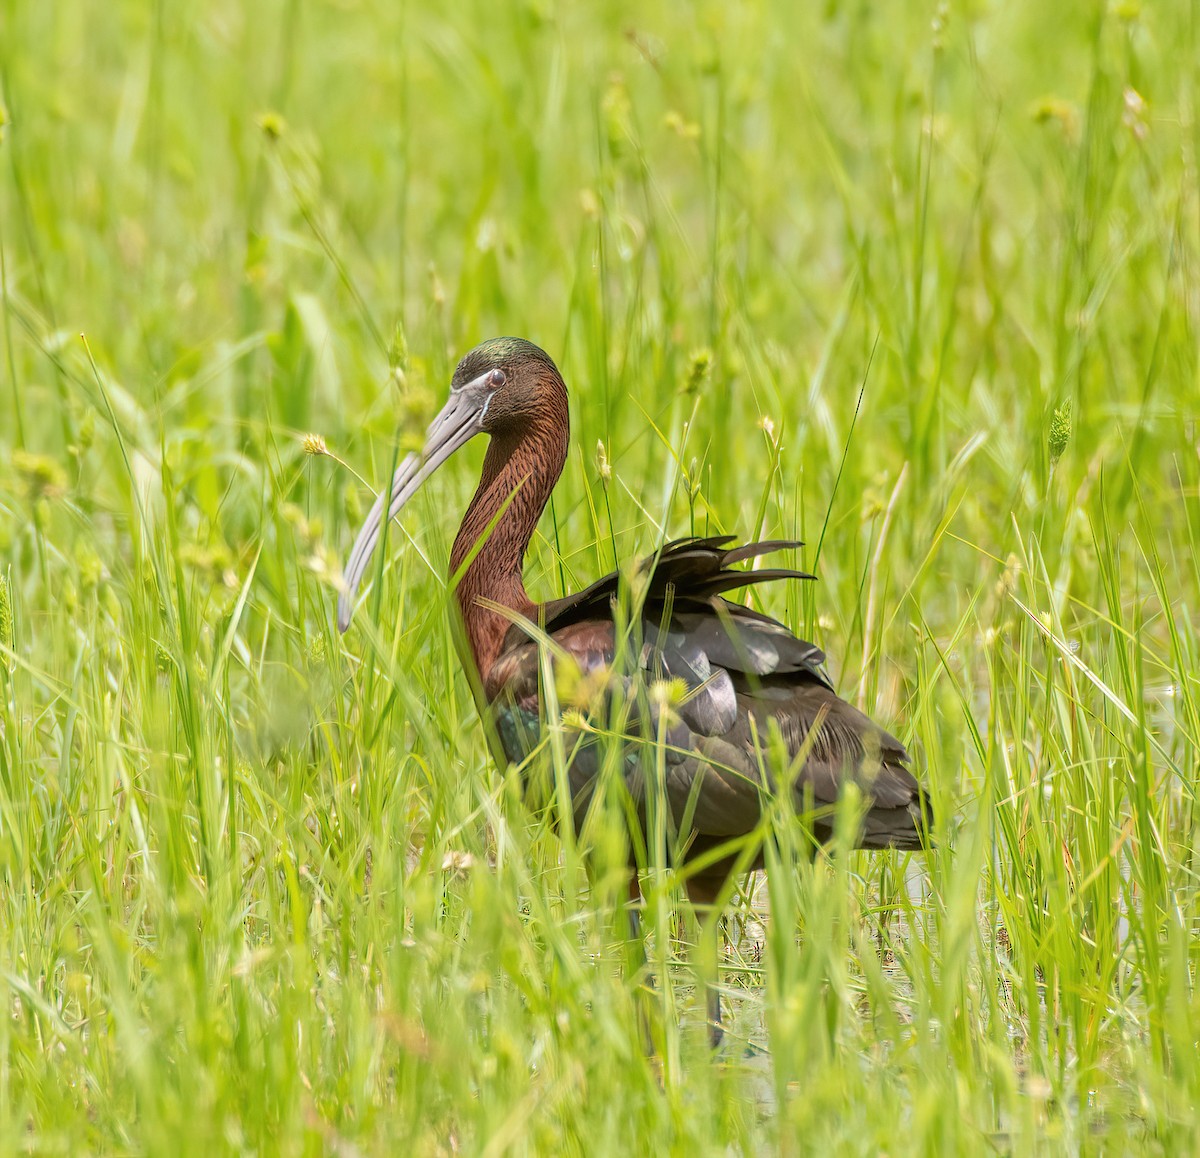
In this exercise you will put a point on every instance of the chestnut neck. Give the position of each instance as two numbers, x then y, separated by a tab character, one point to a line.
519	473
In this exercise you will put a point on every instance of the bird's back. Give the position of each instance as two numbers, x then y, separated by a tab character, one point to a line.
739	702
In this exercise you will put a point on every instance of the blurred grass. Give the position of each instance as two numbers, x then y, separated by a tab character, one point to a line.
263	891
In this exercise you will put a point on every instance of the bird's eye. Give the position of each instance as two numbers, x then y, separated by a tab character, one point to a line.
496	379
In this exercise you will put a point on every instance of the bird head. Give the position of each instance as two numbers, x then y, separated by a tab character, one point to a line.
498	389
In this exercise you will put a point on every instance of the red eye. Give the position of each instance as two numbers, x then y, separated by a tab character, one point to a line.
496	379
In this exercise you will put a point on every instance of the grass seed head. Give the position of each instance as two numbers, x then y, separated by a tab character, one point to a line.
7	632
681	126
41	475
272	124
1060	431
1055	110
668	693
699	368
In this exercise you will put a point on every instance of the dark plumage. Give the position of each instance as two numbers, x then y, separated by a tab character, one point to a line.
747	676
742	670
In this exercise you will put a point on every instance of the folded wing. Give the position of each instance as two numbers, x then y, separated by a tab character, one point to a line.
757	701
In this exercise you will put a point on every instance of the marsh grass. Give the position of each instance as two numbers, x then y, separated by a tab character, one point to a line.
915	285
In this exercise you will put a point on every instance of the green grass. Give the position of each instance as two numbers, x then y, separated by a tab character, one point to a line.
263	891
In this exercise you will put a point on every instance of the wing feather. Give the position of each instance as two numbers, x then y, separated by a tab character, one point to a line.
745	674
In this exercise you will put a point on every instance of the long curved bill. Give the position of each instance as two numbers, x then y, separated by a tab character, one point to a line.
460	420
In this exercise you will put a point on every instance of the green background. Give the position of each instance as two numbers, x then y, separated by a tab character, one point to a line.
260	888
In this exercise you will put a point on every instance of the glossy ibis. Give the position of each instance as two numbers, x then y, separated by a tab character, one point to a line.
747	676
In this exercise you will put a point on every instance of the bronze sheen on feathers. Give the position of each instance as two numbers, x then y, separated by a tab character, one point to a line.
747	676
